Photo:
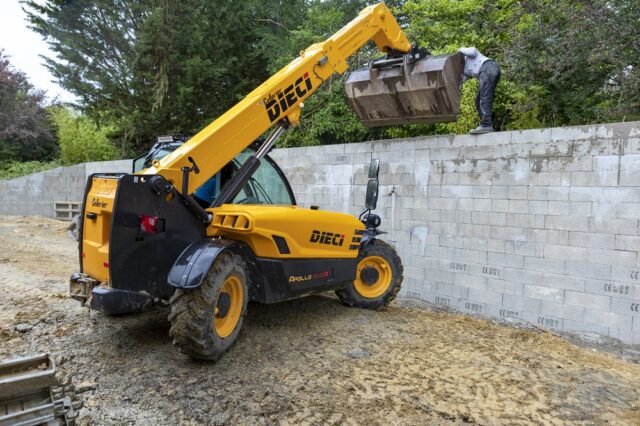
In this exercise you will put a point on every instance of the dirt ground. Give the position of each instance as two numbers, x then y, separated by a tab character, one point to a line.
311	361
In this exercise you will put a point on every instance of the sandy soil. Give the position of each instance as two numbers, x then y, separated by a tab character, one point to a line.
310	361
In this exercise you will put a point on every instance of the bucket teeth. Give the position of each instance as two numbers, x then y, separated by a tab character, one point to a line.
426	90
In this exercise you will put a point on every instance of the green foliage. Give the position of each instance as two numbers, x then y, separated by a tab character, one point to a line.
80	139
25	129
580	58
12	169
154	67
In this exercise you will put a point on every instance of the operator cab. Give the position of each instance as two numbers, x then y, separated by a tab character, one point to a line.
267	186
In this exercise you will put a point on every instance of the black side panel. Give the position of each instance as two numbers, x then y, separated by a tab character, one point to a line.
195	261
139	261
288	279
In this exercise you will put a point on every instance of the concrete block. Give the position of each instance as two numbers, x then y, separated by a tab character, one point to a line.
523	248
518	206
500	191
626	274
613	226
544	293
631	146
481	191
470	256
569	208
452	291
505	287
519	303
518	192
499	205
501	259
560	238
530	136
538	207
578	254
627	210
585	327
496	138
625	306
567	223
559	310
485	296
478	283
546	321
586	300
570	164
559	179
612	257
525	221
563	281
609	319
573	133
587	269
537	192
521	275
592	240
544	264
586	193
611	288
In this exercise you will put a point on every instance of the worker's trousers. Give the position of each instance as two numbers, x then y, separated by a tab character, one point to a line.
489	76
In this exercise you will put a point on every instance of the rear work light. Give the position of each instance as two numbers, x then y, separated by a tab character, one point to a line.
151	224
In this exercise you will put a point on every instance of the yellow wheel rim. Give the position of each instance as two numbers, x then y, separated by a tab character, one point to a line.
369	288
228	307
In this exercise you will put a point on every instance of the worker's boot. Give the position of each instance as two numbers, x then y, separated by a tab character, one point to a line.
482	129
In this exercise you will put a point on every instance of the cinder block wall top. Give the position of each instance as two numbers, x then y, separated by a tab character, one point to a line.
538	225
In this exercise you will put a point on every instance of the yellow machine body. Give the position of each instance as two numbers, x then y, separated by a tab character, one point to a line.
308	233
125	265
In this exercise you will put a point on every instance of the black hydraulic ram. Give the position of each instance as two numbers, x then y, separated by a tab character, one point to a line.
248	168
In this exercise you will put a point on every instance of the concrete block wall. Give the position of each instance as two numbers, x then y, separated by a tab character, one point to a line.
35	194
538	225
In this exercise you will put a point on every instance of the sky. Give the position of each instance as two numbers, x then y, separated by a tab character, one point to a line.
24	48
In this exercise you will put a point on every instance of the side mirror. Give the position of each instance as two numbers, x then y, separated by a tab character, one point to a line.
374	167
371	199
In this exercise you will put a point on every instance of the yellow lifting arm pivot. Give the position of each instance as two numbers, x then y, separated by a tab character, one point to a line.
279	97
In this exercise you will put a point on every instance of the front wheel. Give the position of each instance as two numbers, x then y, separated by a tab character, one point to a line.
207	320
378	277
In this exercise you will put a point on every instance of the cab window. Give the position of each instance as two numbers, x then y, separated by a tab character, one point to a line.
266	186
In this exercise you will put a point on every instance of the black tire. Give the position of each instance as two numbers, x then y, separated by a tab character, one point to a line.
350	295
193	312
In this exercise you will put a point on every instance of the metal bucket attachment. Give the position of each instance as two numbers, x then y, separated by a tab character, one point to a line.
407	90
30	393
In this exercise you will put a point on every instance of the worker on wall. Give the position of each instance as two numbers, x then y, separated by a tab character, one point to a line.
487	71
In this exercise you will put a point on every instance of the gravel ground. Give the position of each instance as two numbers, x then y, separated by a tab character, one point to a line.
310	361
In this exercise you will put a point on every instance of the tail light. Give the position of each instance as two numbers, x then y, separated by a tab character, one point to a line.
151	224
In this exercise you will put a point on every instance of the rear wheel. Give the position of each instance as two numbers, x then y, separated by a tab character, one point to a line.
207	320
378	277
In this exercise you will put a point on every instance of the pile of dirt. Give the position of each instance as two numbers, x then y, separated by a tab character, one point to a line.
307	361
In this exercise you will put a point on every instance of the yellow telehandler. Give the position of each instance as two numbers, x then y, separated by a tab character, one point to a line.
211	223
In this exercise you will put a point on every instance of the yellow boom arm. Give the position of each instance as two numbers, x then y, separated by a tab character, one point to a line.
279	97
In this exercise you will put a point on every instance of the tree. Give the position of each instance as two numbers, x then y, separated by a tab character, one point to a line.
584	55
155	66
80	139
25	129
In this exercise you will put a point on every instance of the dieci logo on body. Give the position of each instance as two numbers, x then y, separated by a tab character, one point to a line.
328	238
285	99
